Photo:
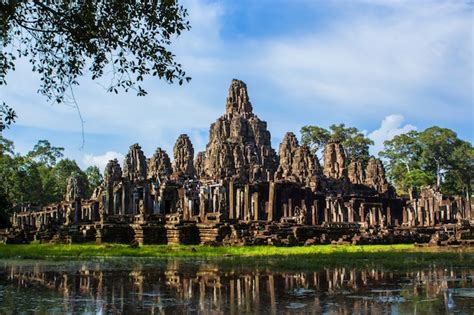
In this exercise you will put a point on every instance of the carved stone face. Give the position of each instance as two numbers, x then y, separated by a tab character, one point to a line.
113	172
135	166
75	188
183	152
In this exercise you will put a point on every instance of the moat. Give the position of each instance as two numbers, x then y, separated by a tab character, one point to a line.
155	286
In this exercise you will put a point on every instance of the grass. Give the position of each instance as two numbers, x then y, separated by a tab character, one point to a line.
390	257
121	250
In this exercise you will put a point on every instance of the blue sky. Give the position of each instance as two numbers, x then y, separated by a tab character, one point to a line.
385	67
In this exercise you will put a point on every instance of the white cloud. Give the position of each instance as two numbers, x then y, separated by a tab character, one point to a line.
101	160
390	127
376	61
154	120
355	69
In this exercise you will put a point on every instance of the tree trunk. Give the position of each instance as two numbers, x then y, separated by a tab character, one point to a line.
438	174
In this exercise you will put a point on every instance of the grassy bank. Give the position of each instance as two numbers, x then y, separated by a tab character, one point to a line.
120	250
381	256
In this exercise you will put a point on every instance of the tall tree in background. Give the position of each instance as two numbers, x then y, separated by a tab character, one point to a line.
355	143
44	153
435	156
60	174
124	41
438	144
404	167
94	178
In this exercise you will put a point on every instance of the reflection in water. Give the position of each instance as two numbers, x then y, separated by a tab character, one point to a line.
179	286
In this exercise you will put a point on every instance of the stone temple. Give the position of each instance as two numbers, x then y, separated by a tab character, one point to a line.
241	191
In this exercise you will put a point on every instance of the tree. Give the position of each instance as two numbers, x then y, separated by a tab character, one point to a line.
20	180
7	116
6	146
94	178
435	156
438	144
5	210
314	137
44	153
61	172
459	175
37	178
124	41
402	155
356	144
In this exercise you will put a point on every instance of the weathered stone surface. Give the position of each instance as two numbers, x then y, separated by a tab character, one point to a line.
297	163
239	143
375	176
75	188
112	172
238	101
286	152
135	166
183	151
427	192
159	165
356	172
199	164
334	160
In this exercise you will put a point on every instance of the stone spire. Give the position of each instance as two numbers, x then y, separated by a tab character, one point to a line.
334	160
375	176
287	150
238	101
356	172
239	144
297	163
183	151
135	166
199	164
112	172
75	187
159	165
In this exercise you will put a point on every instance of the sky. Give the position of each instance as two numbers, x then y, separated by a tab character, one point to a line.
385	67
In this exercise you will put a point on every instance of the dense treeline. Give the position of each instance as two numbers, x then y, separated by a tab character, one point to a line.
37	178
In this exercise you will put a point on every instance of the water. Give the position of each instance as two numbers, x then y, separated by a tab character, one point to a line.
174	286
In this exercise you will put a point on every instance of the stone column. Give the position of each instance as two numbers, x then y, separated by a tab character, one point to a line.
271	201
247	202
231	201
77	209
326	213
315	213
419	213
256	205
333	211
306	212
290	207
389	216
350	212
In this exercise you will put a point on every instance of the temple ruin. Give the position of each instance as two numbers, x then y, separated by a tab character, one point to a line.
240	191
